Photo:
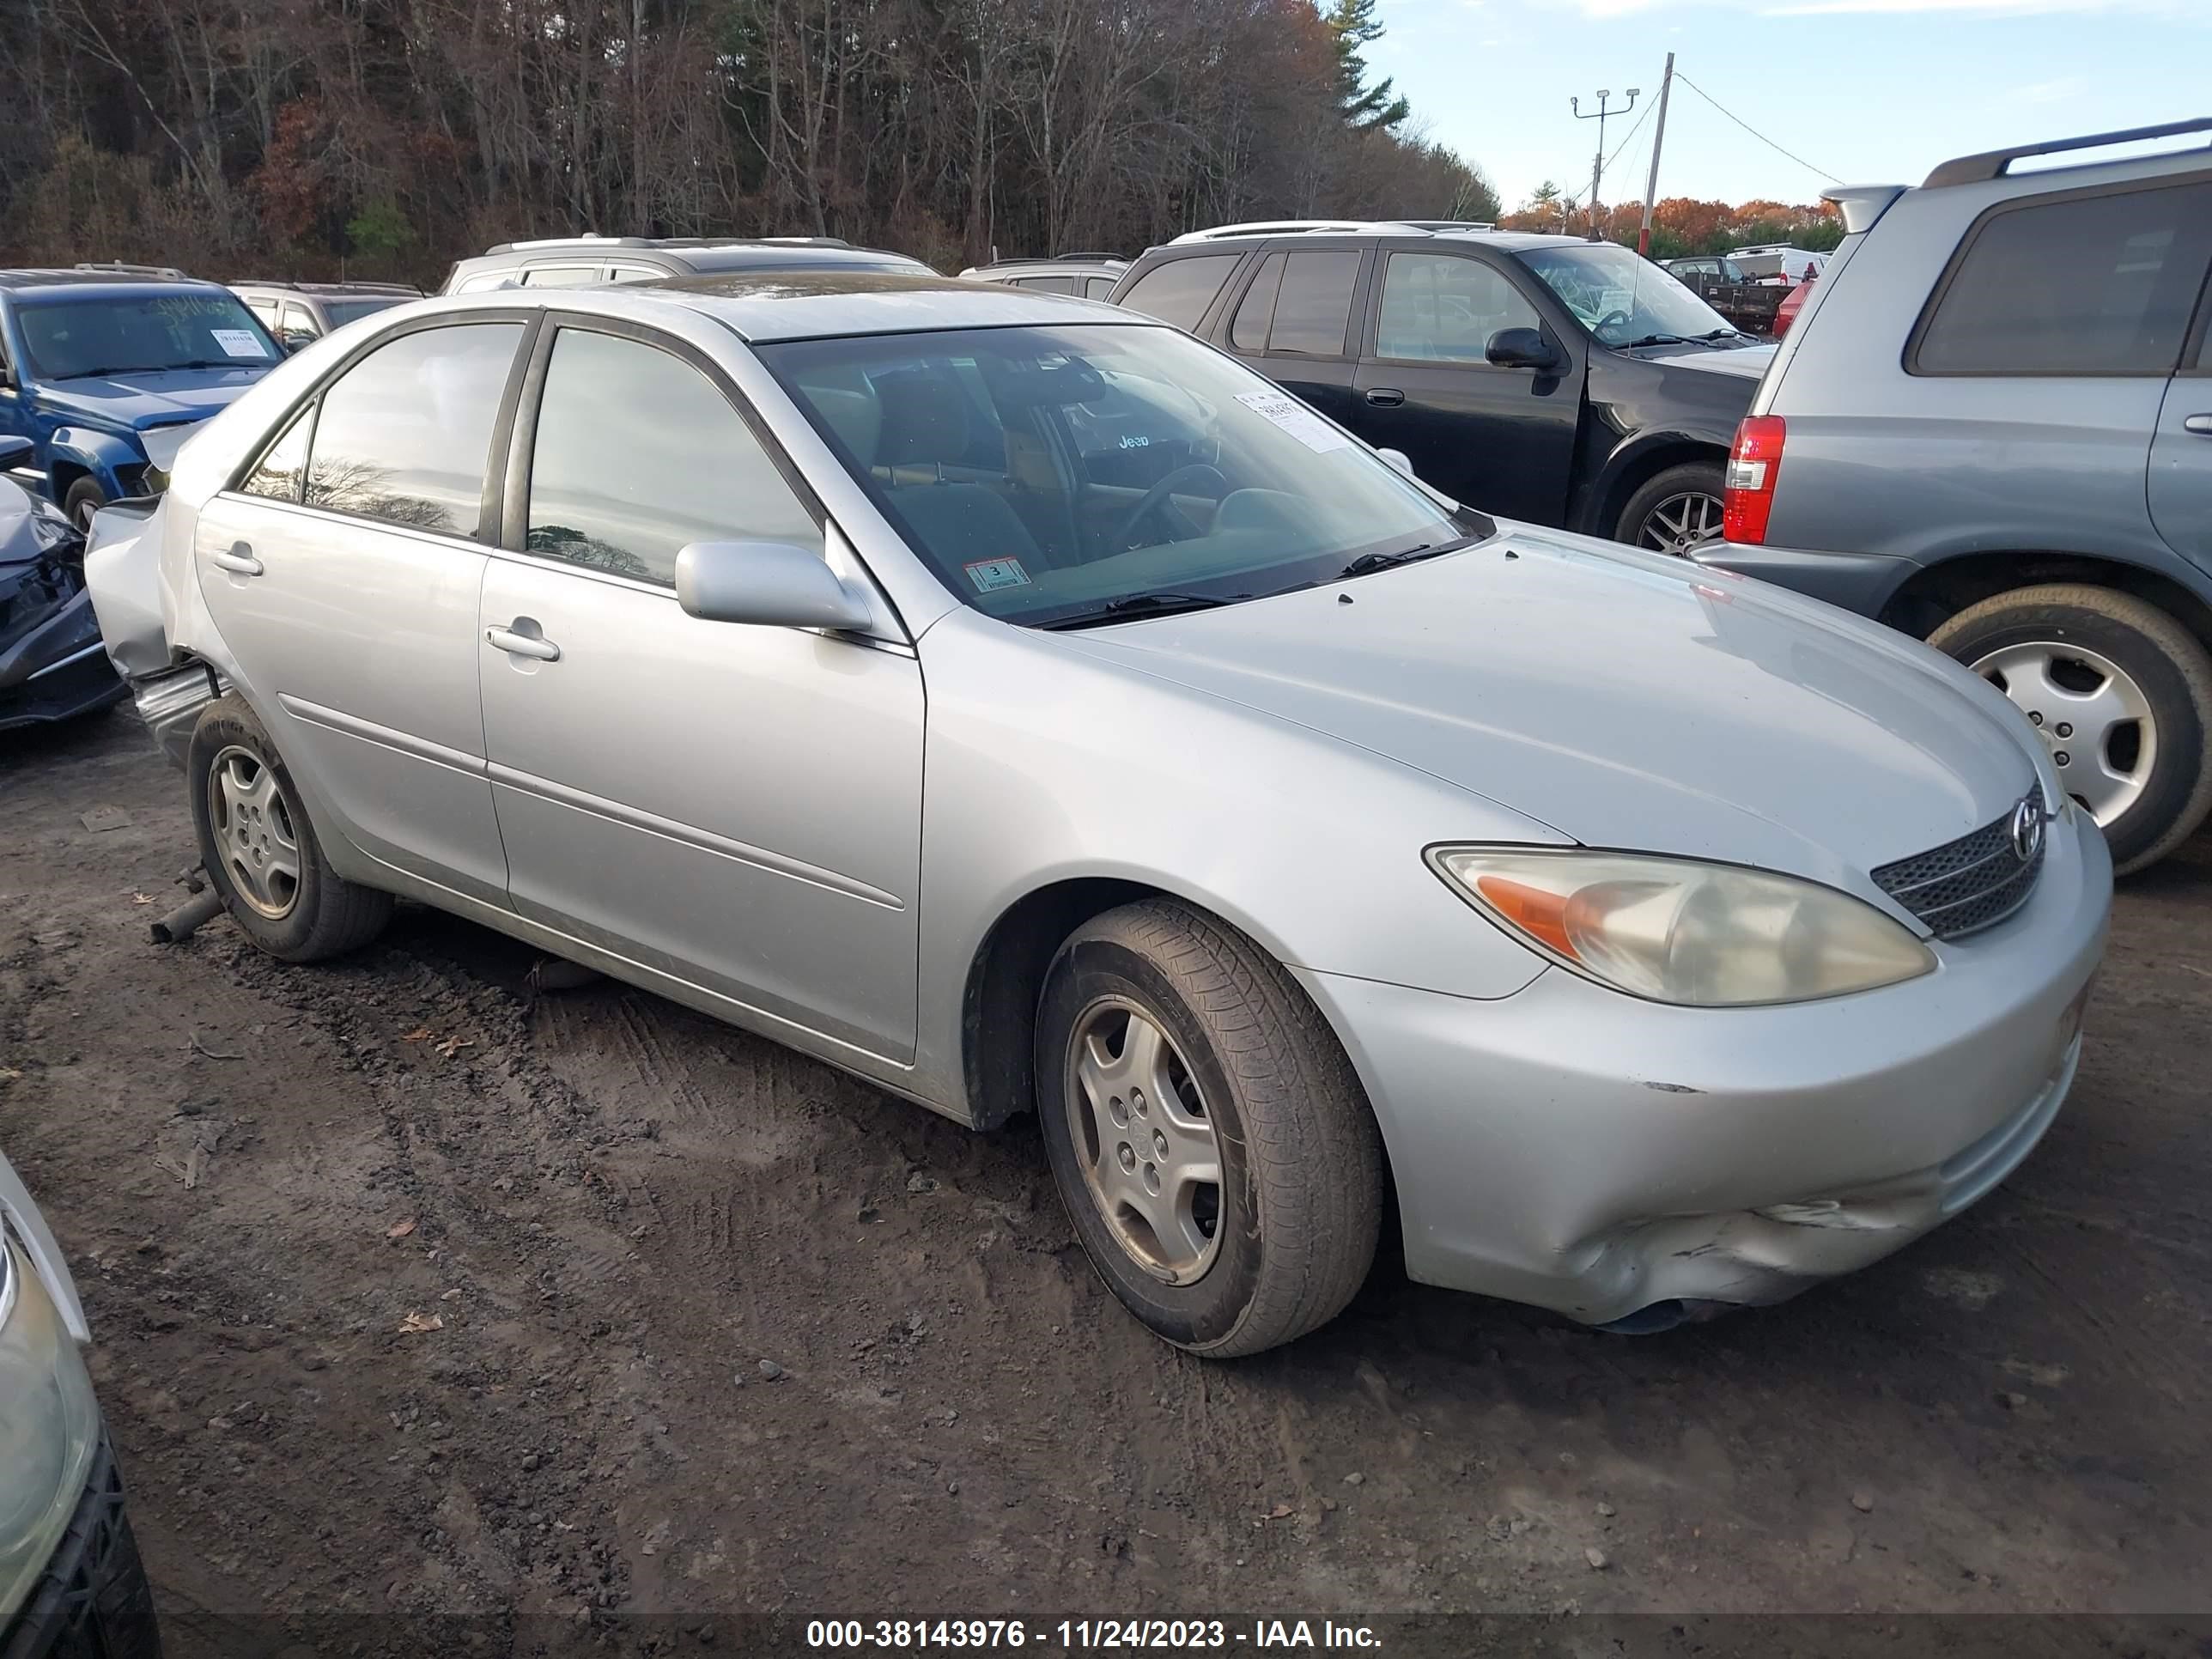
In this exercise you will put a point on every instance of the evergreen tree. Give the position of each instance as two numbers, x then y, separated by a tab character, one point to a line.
1352	25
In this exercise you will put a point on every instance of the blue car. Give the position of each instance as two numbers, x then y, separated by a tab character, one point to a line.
93	358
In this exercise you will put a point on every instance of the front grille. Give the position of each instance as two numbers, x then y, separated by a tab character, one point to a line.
1973	882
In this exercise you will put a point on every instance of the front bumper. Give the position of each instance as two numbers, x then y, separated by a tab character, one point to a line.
93	1602
58	670
1862	582
1606	1157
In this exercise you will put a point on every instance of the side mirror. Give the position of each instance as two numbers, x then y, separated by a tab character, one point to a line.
766	584
293	339
1520	348
1399	462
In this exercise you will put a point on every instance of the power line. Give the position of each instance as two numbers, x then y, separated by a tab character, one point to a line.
1753	130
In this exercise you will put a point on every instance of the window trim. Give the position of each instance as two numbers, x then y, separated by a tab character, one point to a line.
1373	339
2197	344
487	519
1911	358
519	451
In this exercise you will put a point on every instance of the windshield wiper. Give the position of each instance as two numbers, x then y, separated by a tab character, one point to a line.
1720	334
1367	562
1145	604
1654	339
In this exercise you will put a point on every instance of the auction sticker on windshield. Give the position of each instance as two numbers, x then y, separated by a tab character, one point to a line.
1295	418
239	341
990	575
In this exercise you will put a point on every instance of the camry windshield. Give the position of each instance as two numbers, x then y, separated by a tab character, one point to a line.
1071	475
137	334
1622	298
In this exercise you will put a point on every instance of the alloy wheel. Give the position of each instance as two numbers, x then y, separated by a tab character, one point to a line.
1145	1140
1680	524
2092	717
254	835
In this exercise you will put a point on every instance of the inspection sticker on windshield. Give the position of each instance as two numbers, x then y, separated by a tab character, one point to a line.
990	575
239	342
1295	418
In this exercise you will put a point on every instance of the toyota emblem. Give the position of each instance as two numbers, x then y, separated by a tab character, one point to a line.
2027	829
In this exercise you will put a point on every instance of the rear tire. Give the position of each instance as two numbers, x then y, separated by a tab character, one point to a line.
1251	1084
261	853
84	499
2073	653
1676	511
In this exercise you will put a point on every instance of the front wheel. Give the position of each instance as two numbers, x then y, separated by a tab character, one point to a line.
1677	511
260	852
2121	695
84	499
1207	1134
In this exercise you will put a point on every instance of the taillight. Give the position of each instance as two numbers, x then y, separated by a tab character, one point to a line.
1748	499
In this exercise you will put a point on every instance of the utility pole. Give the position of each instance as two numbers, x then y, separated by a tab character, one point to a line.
1597	167
1652	184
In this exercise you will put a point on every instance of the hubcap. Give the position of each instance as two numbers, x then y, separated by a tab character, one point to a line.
253	833
2094	720
1145	1141
1681	523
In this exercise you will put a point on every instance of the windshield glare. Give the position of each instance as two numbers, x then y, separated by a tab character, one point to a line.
1046	472
1621	297
122	335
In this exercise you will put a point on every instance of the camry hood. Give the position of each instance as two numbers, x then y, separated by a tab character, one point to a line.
147	400
1624	700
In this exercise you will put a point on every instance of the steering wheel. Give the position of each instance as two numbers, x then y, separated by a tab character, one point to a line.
1159	493
1611	319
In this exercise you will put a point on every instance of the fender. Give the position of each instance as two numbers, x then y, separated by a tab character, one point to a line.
1602	488
85	449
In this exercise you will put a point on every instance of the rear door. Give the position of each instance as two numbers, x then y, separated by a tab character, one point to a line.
1294	323
1502	440
2181	454
343	570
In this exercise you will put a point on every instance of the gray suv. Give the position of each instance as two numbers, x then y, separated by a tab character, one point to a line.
1992	429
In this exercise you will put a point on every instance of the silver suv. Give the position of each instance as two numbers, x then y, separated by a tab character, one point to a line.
1992	429
1086	275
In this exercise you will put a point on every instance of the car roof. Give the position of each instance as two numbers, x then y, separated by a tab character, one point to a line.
763	255
764	306
32	277
329	290
1513	242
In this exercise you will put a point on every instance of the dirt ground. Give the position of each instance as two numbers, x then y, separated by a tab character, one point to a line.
713	1330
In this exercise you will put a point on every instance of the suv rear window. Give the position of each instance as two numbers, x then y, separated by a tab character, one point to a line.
1178	291
2100	285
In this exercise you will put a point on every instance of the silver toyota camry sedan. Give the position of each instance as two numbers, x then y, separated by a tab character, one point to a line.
1022	706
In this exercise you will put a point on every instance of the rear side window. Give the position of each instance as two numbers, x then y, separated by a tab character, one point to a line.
560	276
1313	305
1178	291
403	433
2090	285
1248	331
678	465
1047	284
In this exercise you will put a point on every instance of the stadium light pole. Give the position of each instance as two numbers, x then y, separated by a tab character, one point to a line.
1597	167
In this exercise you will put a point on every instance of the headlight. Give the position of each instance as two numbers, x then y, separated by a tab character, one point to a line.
48	1427
1673	930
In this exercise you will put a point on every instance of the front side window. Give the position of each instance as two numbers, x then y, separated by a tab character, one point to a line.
1622	298
2095	285
342	311
1099	288
298	321
1445	307
136	334
1178	291
1047	473
637	454
405	433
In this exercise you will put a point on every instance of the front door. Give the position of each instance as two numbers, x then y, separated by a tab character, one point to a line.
344	567
738	807
1500	439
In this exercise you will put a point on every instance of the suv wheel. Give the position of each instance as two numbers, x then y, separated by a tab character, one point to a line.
259	850
1677	511
84	499
1209	1138
2121	696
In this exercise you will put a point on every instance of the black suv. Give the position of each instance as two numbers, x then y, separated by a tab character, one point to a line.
1545	378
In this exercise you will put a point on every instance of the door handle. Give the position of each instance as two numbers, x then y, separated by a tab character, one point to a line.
523	645
2200	424
237	558
1385	397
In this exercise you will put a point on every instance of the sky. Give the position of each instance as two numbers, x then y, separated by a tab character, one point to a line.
1873	91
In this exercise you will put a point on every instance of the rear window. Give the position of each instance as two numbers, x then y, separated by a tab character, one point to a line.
2100	285
1178	291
